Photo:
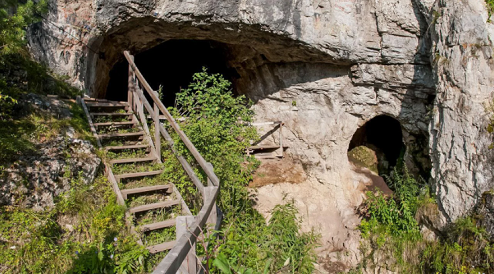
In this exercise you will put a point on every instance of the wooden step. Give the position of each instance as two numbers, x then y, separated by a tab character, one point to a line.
148	207
129	134
107	124
159	225
138	174
161	247
91	100
110	114
108	148
106	105
95	100
265	147
130	191
132	160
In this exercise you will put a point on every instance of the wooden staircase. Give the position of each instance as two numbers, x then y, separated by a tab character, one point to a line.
133	167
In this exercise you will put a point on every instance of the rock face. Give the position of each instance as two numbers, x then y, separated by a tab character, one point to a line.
324	68
37	178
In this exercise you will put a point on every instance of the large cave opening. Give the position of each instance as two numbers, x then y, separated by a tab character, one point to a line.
171	65
378	144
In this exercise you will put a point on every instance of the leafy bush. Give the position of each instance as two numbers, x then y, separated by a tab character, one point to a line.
490	8
94	241
393	235
251	246
216	123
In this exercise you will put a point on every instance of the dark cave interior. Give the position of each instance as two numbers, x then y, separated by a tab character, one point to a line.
382	134
171	65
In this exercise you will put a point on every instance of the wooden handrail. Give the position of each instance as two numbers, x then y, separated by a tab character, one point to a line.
154	95
173	261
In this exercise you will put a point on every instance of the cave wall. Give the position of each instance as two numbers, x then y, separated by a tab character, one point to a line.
426	63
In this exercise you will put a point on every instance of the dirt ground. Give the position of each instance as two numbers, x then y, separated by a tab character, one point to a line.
274	171
328	209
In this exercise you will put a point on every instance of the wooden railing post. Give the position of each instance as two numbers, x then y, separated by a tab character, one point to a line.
213	216
130	86
157	135
189	265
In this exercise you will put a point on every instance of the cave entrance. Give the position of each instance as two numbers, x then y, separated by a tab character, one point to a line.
377	145
171	65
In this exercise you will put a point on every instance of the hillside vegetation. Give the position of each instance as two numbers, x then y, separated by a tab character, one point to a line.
85	230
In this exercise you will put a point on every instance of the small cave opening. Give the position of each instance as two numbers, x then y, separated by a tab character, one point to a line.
171	65
378	144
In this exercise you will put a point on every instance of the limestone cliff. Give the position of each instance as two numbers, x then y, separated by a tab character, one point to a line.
426	63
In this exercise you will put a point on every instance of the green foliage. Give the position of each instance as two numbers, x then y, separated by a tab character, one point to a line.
490	8
18	73
20	135
465	249
217	124
96	241
397	213
392	233
13	26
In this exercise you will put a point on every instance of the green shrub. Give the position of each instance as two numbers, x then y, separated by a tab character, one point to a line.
216	122
392	234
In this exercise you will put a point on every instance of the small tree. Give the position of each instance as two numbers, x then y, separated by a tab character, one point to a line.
216	123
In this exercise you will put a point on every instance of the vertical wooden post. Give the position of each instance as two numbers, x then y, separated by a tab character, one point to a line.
157	135
130	86
189	265
210	183
213	217
281	139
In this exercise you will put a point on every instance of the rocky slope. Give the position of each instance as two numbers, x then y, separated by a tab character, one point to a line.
53	165
324	67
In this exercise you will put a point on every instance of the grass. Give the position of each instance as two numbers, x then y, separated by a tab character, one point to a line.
76	236
159	236
158	215
136	167
149	199
121	142
117	129
490	8
106	119
19	136
126	154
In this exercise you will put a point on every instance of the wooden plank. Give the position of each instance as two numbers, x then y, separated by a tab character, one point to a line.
187	167
114	124
159	225
148	207
90	121
172	262
110	114
114	184
126	192
265	147
157	135
126	147
132	160
185	208
130	134
154	95
106	105
138	174
130	85
189	264
140	113
161	247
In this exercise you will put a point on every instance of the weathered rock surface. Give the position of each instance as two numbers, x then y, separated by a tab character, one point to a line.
38	177
324	68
